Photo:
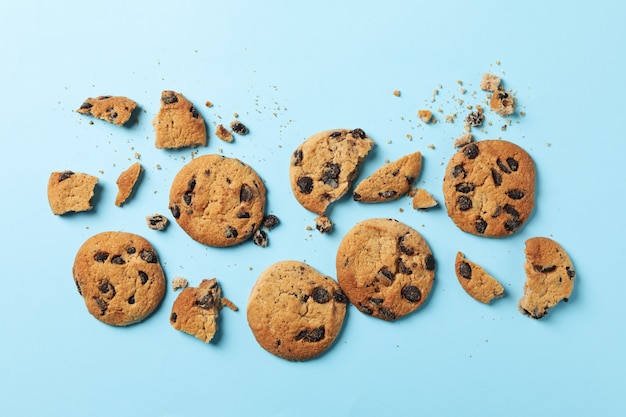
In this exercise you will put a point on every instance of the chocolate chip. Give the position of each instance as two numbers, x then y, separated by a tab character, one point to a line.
113	115
118	260
386	314
65	175
497	212
385	272
364	309
239	128
502	166
297	157
387	194
243	215
143	277
544	269
464	187
513	164
231	232
430	262
481	225
403	248
335	134
515	194
464	203
402	268
175	211
270	221
376	300
305	184
80	291
458	170
358	133
246	193
191	184
497	177
465	270
194	112
169	98
107	288
320	295
173	317
411	293
512	225
340	297
100	256
131	250
131	299
314	335
356	197
187	197
305	297
260	238
148	256
330	174
570	272
86	105
509	209
206	302
471	151
103	97
102	305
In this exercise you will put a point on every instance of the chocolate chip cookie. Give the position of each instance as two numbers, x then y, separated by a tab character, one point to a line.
324	166
476	282
70	191
113	109
218	201
294	311
550	277
390	181
489	188
385	267
119	276
178	123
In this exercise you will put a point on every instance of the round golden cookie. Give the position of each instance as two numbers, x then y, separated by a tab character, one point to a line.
385	267
294	311
324	166
119	276
218	201
489	188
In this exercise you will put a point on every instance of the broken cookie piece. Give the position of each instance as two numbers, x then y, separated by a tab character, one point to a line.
70	192
476	282
157	222
423	200
550	277
113	109
178	283
223	133
323	224
390	181
425	115
196	310
178	123
126	183
489	82
502	102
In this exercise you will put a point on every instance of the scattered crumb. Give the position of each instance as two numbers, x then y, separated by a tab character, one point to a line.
489	82
450	118
401	210
323	224
227	303
423	200
308	227
137	155
503	128
222	133
236	115
409	136
431	146
238	127
396	93
522	113
475	118
388	140
178	283
156	222
548	144
425	115
157	166
502	102
463	140
208	104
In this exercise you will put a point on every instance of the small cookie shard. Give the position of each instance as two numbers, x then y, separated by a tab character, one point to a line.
223	133
390	181
178	124
463	140
113	109
502	102
423	200
294	311
70	192
425	115
126	182
157	221
550	277
196	310
489	82
323	168
476	282
323	224
178	283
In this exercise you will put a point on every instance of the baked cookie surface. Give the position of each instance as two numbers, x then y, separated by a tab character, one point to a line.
126	182
113	109
391	181
119	276
476	282
70	191
385	268
550	277
489	188
294	311
324	166
178	124
218	201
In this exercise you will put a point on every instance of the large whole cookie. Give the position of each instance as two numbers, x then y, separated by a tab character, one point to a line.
294	311
324	166
489	188
119	276
218	201
385	268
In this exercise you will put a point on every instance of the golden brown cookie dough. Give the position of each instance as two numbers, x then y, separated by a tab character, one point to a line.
391	181
476	282
70	191
113	109
126	182
178	123
550	277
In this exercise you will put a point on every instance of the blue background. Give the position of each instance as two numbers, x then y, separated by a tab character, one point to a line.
291	69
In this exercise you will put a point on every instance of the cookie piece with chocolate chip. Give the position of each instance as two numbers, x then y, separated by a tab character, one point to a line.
218	201
119	276
126	183
476	282
385	268
550	277
324	166
113	109
178	123
390	181
196	310
70	191
294	311
489	188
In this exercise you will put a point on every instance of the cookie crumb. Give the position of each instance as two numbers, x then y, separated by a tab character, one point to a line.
425	115
502	102
208	104
489	82
396	93
259	238
323	224
431	146
178	283
156	222
222	133
239	128
475	118
463	140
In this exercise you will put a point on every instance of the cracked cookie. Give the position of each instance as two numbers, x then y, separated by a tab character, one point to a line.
126	182
178	123
218	201
119	276
113	109
390	181
294	311
550	277
324	166
476	282
489	188
70	191
385	267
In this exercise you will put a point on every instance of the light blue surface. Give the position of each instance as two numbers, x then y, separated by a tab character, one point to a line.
291	69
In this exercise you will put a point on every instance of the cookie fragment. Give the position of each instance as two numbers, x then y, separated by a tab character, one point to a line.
222	133
489	82
178	123
550	277
423	200
178	283
126	183
425	115
113	109
196	310
502	102
70	191
323	224
239	128
157	221
476	282
391	181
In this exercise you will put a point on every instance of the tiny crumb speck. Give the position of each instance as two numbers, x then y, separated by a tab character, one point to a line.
396	93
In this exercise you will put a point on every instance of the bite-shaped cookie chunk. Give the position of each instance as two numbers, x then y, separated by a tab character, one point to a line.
324	166
390	181
120	277
113	109
476	282
489	188
423	200
502	102
178	124
218	201
70	191
550	277
196	310
385	268
126	182
294	311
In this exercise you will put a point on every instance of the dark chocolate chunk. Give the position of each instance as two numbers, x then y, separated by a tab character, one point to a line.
387	194
206	302
305	184
157	222
471	151
376	300
340	297
175	211
404	249
481	225
513	164
386	314
148	256
465	270
512	224
107	288
356	197
131	299
85	106
243	215
100	256
270	221
65	175
402	268
314	335
80	291
102	305
169	98
430	262
515	194
335	134
411	293
103	97
458	170
464	187
509	209
570	272
191	184
358	133
320	295
143	277
497	177
330	174
231	232
131	250
502	166
385	272
464	203
246	193
118	260
474	119
173	317
194	112
260	238
297	157
364	309
239	128
187	197
544	269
